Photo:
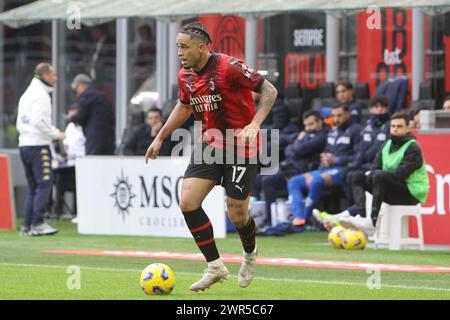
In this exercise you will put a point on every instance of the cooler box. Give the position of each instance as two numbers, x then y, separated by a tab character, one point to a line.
280	211
257	209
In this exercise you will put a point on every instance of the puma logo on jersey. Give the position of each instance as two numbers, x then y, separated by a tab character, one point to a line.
240	188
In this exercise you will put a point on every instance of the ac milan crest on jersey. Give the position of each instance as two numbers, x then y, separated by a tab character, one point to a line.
212	85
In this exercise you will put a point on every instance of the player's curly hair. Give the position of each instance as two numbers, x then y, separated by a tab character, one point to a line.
196	29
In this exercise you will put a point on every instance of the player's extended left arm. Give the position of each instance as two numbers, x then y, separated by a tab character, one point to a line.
268	96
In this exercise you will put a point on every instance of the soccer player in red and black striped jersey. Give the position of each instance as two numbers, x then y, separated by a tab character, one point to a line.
218	89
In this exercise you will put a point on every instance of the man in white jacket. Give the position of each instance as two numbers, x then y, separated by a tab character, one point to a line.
36	133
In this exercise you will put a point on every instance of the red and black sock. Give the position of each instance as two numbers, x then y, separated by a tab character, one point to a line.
248	235
201	229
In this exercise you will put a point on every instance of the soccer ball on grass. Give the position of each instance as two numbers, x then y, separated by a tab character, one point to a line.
157	279
354	239
335	237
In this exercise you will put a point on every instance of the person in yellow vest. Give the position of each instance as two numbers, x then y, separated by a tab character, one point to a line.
398	176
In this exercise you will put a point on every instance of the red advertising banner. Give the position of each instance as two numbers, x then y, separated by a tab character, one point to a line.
436	211
306	69
227	33
447	63
6	196
385	52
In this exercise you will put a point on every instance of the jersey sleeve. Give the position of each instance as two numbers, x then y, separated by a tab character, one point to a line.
244	76
183	94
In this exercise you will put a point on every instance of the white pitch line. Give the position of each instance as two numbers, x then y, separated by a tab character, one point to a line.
343	283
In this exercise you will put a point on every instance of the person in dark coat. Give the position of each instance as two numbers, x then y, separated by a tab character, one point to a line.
396	91
344	94
278	118
96	116
303	152
144	135
375	132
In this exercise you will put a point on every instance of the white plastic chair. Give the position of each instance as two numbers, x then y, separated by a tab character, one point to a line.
393	227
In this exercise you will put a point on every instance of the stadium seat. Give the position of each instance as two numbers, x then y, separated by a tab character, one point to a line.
426	100
293	91
361	94
326	97
137	118
393	227
361	91
425	91
293	100
326	90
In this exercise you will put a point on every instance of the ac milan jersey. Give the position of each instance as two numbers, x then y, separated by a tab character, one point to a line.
220	95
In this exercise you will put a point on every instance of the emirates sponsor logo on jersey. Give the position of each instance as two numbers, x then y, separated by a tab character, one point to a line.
206	102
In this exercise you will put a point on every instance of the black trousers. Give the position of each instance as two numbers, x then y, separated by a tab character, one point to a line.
37	161
383	187
347	187
64	180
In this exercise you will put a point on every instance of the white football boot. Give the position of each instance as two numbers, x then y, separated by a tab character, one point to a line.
360	223
216	272
248	268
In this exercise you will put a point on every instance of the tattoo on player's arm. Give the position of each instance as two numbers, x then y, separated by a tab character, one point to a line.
268	96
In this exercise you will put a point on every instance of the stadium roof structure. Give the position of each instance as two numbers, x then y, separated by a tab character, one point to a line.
45	10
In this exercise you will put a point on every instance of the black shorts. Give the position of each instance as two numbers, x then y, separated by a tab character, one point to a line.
237	179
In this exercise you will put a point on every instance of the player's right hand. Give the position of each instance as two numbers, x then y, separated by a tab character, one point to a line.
153	150
61	136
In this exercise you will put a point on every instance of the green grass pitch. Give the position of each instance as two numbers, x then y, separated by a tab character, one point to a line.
25	273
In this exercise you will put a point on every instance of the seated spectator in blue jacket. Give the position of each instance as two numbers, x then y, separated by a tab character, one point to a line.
144	135
305	149
302	154
342	144
373	135
344	94
289	133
